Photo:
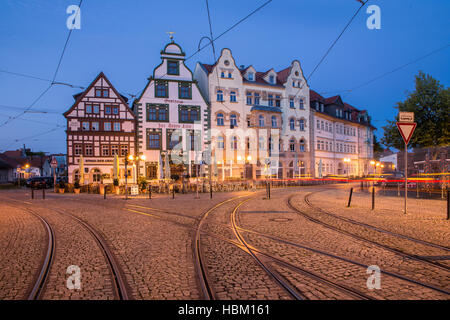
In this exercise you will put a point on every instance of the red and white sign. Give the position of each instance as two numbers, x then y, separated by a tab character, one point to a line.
406	130
53	163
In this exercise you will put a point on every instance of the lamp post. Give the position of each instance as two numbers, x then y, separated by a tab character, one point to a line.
132	159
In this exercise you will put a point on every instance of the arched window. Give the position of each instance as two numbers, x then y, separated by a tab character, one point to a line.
233	120
219	95
220	119
302	125
274	122
232	96
261	120
292	124
233	143
222	74
220	142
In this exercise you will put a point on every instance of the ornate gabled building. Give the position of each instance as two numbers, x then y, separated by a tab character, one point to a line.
260	120
100	125
342	142
172	119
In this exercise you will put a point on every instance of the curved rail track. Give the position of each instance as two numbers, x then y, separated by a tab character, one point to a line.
119	283
120	286
39	284
359	237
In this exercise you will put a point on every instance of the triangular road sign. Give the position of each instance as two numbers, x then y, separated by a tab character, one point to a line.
406	130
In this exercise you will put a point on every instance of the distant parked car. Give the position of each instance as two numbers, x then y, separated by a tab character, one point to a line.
39	182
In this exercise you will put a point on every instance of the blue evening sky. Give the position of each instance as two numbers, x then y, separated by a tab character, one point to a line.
124	39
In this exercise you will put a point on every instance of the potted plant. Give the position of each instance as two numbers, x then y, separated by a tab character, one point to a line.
61	186
76	187
116	186
142	184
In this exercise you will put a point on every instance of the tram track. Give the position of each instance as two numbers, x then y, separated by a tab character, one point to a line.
120	287
368	228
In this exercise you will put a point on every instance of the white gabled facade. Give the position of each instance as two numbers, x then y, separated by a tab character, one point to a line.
171	117
258	107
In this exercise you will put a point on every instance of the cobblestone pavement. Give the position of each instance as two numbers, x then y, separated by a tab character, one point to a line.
22	248
274	217
424	220
153	241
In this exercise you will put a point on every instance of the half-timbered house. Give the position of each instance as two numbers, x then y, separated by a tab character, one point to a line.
100	125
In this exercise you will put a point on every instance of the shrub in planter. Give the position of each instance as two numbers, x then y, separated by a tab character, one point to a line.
142	183
76	186
61	186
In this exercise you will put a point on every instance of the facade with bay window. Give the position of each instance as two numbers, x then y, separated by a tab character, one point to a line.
171	118
100	125
260	120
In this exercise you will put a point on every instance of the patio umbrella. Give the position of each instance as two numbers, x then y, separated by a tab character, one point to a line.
81	170
116	167
167	167
159	173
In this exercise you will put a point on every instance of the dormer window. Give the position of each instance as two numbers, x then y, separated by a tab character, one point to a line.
250	76
222	74
229	75
272	79
173	67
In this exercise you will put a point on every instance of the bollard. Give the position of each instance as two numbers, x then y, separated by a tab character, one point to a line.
269	190
362	186
149	191
373	198
173	192
350	198
448	205
43	193
398	189
32	193
210	190
104	192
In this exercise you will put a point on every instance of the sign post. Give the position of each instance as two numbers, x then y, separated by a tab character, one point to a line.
406	126
54	165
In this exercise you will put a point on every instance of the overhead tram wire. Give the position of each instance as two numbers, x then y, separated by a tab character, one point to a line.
211	42
33	136
42	79
333	44
53	79
389	72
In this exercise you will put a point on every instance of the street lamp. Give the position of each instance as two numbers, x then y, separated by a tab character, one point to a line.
130	158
